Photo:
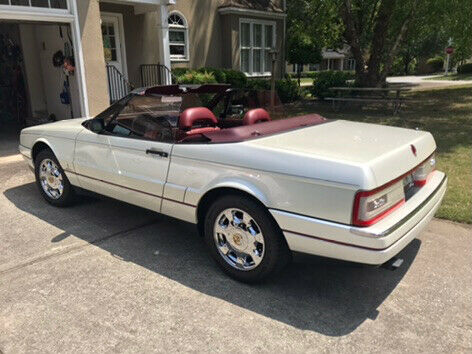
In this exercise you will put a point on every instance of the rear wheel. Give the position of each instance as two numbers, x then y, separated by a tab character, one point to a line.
51	180
244	239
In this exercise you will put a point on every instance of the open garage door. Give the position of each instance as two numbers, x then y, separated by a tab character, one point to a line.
38	81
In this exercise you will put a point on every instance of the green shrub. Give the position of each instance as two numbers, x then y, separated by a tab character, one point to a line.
465	69
219	74
179	71
435	64
287	90
323	80
258	84
196	77
235	78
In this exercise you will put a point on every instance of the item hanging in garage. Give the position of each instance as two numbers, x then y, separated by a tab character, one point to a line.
58	59
65	94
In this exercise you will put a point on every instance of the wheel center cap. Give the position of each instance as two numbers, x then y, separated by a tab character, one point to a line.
239	241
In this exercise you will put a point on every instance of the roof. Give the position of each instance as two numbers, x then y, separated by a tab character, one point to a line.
259	5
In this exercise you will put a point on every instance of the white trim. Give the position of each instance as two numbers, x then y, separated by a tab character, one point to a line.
263	48
122	41
184	29
79	60
249	12
25	13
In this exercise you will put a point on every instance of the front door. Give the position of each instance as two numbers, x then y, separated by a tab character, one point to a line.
113	41
130	159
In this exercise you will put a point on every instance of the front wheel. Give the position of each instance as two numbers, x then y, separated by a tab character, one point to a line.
244	239
51	180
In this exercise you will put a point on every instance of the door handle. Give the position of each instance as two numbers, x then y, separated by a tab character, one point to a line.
157	152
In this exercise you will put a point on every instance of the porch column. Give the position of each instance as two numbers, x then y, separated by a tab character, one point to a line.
163	35
88	12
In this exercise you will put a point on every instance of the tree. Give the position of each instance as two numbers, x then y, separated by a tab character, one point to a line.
380	32
311	26
301	50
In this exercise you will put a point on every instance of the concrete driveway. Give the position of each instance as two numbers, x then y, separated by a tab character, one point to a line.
103	276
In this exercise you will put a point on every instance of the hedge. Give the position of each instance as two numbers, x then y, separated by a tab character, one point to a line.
323	80
287	90
435	64
465	69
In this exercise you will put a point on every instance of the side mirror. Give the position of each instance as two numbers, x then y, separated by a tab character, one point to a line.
96	125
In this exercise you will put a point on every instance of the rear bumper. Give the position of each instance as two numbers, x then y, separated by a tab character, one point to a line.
370	245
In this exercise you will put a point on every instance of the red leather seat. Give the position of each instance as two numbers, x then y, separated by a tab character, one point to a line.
201	115
255	116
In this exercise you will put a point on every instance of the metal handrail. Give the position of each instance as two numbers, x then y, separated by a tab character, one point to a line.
118	85
156	74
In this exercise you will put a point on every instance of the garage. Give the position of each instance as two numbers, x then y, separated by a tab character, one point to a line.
37	75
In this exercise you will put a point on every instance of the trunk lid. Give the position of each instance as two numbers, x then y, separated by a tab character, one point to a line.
388	152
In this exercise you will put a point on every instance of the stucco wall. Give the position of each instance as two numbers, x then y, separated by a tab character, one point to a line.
214	38
94	61
206	42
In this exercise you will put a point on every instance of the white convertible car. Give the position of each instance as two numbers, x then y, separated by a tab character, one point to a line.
257	188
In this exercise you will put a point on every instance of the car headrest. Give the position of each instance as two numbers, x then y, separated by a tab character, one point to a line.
255	116
196	114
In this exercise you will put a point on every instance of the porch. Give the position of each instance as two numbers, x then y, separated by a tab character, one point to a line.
134	44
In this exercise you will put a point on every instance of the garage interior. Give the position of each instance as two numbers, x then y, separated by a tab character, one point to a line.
38	83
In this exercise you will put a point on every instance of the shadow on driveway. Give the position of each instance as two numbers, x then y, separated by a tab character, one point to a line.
322	295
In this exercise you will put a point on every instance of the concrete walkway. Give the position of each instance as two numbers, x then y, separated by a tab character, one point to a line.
104	276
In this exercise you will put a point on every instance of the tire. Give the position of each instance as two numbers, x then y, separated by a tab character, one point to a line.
52	181
248	254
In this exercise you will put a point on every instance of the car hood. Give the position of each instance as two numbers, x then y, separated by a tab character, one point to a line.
68	128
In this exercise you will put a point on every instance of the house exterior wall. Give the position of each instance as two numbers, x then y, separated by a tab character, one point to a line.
206	42
214	37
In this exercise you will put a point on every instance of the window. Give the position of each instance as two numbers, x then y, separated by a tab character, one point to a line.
257	38
109	41
178	37
349	64
52	4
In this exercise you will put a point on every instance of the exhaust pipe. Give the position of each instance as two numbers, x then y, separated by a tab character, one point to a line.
393	264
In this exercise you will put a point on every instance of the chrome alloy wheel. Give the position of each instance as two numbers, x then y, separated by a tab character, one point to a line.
239	239
51	179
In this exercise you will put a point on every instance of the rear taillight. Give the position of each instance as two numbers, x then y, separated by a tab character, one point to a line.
420	175
371	206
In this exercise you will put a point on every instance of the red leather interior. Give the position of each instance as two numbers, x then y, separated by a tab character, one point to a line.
202	130
196	114
151	134
255	116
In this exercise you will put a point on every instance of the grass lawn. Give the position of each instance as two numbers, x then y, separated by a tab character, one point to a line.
452	77
304	80
447	114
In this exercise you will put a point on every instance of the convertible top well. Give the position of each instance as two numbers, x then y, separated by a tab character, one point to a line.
247	132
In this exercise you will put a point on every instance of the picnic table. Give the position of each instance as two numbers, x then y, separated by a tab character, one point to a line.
369	94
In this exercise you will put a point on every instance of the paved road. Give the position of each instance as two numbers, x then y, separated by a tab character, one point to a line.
104	276
426	82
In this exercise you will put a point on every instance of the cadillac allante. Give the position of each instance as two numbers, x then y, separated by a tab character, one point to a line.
258	188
